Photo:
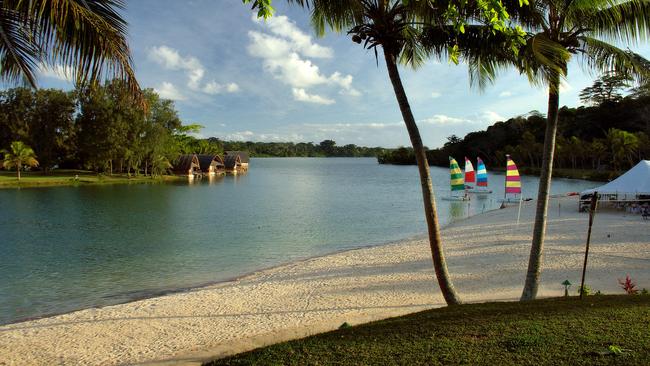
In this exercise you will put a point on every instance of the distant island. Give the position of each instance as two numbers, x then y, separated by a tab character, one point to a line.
593	142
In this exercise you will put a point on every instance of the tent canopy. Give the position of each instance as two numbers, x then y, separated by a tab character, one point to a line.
634	182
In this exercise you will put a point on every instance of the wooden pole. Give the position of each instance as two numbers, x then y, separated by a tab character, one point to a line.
592	212
505	179
519	211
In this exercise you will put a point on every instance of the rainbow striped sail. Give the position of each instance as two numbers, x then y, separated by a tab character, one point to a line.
513	181
470	175
457	183
481	174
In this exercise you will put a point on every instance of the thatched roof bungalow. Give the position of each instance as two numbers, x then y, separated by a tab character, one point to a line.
210	164
186	165
243	157
232	162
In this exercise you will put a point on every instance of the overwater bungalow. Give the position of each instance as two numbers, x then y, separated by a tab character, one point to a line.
187	165
211	164
243	157
232	163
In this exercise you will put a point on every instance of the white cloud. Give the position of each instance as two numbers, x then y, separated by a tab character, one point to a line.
565	86
60	72
300	41
285	52
505	94
302	96
169	91
240	136
435	94
170	59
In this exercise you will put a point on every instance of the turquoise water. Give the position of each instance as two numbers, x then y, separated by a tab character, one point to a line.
67	248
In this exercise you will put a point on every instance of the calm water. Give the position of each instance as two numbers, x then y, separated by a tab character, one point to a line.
67	248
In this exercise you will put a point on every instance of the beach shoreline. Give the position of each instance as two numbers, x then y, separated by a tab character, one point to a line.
487	256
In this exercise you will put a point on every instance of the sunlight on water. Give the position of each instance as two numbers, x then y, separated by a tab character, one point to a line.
67	248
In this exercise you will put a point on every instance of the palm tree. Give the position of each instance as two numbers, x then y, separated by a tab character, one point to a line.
86	38
19	156
559	30
395	27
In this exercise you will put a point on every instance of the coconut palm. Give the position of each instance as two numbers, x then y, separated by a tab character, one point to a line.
395	27
19	156
557	31
84	38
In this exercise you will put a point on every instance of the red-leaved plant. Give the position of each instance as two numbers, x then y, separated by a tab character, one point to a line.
628	285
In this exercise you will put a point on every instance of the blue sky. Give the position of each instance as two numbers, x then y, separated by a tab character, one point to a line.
245	79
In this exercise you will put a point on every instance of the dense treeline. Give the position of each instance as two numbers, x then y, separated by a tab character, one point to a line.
105	129
611	136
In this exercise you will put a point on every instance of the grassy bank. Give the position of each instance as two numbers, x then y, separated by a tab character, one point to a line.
74	178
601	330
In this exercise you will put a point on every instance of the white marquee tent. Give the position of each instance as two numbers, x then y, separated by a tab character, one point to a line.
629	186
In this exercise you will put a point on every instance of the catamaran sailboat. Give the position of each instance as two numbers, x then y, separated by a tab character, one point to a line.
457	182
481	177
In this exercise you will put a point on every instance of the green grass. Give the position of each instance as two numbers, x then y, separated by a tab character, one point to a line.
563	331
8	179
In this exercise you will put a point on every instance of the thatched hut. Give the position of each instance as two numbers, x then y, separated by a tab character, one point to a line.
243	157
186	165
232	163
210	164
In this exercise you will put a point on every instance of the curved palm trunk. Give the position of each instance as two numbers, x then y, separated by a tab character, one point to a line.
539	230
439	262
18	171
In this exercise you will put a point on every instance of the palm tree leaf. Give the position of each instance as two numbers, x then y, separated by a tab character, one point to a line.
625	21
86	36
602	57
17	52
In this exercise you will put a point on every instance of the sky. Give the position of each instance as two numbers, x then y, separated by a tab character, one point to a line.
275	80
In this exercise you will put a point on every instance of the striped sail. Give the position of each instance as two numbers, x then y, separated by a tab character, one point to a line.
513	181
457	182
481	174
470	175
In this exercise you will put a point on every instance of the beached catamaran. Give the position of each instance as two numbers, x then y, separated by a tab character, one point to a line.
481	178
512	183
470	175
457	182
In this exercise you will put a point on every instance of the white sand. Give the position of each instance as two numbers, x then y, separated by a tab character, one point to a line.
487	256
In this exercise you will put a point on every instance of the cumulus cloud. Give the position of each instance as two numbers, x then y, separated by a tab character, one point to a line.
505	94
285	51
301	95
435	95
60	72
171	59
168	91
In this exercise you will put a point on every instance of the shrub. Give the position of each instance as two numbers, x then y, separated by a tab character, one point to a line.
586	291
628	285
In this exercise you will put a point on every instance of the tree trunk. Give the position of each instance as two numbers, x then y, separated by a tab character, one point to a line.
18	171
539	230
437	253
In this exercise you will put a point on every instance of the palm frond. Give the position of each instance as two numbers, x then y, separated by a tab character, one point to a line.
601	57
626	21
86	36
18	54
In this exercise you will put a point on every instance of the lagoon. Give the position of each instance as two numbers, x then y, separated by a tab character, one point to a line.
67	248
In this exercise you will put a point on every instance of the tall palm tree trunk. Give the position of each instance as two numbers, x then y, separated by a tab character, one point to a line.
18	171
539	230
437	253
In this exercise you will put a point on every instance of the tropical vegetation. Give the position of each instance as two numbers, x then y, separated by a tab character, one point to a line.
18	157
84	39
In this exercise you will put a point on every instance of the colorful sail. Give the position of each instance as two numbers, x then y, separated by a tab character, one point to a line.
457	182
513	181
470	175
481	174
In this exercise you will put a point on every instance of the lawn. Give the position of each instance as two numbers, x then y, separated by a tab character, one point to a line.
601	330
72	177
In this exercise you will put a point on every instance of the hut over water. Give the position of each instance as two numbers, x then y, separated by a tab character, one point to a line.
232	163
243	157
186	165
210	164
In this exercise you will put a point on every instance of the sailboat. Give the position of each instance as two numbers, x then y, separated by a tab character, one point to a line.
481	179
512	183
457	182
470	175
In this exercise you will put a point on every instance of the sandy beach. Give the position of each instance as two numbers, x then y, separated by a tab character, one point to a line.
487	257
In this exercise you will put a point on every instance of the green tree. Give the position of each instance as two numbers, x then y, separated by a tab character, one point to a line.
19	156
623	146
607	88
560	30
88	37
52	126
